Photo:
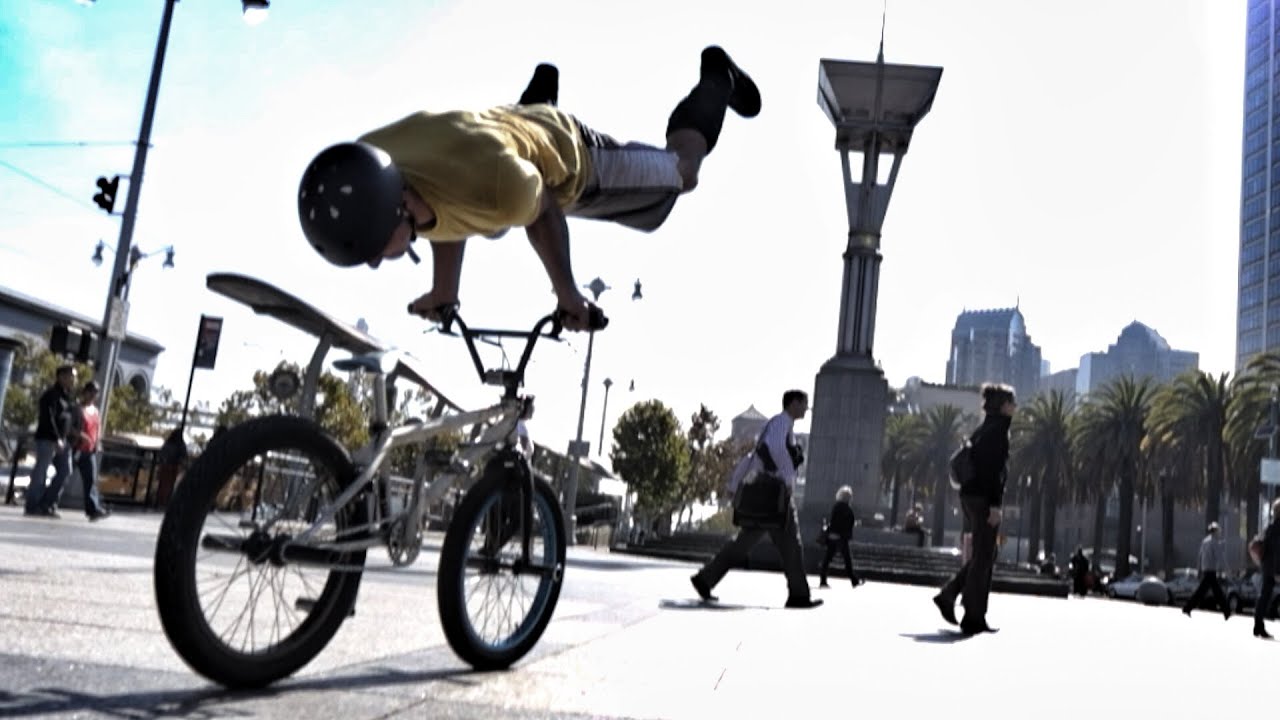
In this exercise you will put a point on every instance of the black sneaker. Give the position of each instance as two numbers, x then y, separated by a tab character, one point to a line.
52	512
803	603
704	592
947	609
975	628
544	86
95	517
744	98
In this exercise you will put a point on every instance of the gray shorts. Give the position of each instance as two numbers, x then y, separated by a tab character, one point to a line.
631	184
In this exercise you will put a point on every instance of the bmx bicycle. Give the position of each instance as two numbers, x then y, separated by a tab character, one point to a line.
261	550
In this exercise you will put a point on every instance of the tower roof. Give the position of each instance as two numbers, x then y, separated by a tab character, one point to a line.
997	319
1136	330
751	413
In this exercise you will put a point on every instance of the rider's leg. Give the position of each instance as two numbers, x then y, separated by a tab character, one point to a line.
694	125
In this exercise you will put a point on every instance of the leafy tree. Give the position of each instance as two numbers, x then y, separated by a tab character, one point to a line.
943	427
651	455
1169	475
1042	449
1193	409
702	481
34	368
1111	428
134	413
1249	414
337	410
903	434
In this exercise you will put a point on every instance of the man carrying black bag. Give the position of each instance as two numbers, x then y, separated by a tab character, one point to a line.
773	464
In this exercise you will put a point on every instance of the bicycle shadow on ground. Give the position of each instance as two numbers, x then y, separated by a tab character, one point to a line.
941	637
687	604
205	702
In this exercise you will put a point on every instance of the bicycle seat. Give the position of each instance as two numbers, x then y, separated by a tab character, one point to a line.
379	361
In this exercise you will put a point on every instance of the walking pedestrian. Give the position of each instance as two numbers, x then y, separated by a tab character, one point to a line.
839	534
88	429
1268	558
53	445
777	453
982	499
1079	572
1213	560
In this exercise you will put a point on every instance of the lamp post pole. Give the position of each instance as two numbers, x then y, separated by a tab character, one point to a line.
604	411
115	316
874	108
576	449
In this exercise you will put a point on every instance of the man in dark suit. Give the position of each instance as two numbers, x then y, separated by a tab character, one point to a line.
1269	563
981	499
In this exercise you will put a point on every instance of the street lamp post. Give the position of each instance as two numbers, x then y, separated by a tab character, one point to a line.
576	448
874	108
115	317
604	412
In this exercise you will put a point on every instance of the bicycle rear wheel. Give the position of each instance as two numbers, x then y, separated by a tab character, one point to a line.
493	608
239	603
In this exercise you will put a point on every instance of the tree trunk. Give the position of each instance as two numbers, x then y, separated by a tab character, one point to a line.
1124	524
940	489
1050	513
1033	522
1213	508
893	501
1252	507
1166	531
1099	520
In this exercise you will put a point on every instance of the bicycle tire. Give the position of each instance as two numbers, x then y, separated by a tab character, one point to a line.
197	498
451	584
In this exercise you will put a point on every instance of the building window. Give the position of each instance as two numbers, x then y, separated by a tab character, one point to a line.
1251	319
1251	273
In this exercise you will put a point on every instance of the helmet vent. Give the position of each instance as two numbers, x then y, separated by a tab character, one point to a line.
345	189
333	212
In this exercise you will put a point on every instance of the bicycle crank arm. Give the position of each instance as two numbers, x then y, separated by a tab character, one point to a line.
517	567
278	553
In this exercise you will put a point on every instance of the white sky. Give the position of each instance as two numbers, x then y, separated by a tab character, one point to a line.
1081	159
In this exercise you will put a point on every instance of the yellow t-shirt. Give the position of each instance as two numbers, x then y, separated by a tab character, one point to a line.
483	172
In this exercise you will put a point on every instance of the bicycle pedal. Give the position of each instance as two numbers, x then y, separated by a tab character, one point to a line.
309	604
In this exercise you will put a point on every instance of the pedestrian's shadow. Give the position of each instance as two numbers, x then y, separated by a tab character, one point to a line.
706	605
944	637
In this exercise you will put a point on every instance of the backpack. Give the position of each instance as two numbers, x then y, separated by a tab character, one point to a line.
961	467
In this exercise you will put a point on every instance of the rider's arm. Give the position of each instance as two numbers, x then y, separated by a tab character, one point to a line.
446	262
549	236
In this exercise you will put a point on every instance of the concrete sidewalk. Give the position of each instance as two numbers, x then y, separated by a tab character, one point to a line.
79	637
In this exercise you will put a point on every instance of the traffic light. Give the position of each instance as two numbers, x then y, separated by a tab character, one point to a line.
107	189
79	343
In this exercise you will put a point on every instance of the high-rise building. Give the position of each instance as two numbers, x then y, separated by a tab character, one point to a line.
993	346
1139	352
1258	308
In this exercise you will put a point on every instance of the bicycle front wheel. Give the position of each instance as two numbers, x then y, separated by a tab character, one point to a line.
239	601
493	607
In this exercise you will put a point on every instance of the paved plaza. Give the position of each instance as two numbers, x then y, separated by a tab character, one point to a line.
79	637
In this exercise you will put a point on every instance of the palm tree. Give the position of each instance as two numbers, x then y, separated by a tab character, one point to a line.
903	434
1111	428
1170	469
1193	410
943	429
1247	440
1042	446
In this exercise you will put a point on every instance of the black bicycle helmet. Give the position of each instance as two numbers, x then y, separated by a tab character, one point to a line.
349	203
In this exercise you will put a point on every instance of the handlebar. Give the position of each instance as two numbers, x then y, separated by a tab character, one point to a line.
511	380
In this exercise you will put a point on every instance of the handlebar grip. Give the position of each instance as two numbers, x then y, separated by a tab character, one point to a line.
445	313
596	319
